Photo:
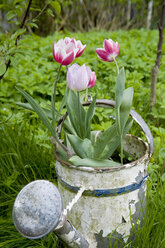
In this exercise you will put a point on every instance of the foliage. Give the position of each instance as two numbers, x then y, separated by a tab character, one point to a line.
25	141
21	23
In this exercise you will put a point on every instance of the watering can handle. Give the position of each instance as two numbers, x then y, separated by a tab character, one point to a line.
135	116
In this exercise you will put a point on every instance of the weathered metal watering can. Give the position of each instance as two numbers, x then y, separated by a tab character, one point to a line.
108	200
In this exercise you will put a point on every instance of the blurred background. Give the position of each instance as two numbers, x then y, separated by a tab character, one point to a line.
81	15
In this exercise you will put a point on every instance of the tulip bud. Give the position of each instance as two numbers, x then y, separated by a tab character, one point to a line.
109	52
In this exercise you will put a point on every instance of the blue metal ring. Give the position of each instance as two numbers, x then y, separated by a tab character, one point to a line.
106	192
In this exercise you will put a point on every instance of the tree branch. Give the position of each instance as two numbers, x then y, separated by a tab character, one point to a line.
21	26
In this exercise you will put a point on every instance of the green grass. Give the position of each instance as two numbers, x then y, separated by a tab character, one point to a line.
22	160
26	153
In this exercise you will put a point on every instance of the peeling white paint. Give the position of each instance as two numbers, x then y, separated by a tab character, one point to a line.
69	237
91	215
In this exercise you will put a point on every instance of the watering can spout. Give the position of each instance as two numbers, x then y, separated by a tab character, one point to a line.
38	210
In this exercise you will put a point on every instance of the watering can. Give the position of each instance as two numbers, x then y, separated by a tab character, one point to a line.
105	199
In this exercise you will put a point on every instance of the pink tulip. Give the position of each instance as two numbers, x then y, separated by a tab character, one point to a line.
80	48
92	80
109	52
78	44
64	51
80	77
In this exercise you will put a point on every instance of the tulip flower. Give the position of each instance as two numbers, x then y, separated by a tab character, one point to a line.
109	52
80	48
64	51
92	80
80	77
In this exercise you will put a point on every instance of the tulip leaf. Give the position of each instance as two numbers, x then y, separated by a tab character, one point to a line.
29	107
96	163
103	139
83	148
120	86
125	107
61	153
110	147
89	115
115	141
76	113
62	104
68	128
39	111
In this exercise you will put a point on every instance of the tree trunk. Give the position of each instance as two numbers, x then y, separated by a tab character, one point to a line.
128	12
155	69
149	17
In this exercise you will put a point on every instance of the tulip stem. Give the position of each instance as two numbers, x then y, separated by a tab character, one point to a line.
121	140
53	96
86	95
116	65
79	107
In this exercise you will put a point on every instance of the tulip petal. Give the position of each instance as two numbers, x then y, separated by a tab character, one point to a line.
92	80
54	44
70	47
80	51
108	45
81	79
89	72
117	48
67	40
59	54
102	54
68	59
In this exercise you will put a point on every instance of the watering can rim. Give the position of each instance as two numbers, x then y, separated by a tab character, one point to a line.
111	104
108	169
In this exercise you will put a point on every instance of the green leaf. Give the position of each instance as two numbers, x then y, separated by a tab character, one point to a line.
48	113
10	15
88	117
38	110
50	12
63	103
82	148
96	163
125	107
2	69
61	153
120	86
35	9
68	128
115	142
77	119
18	33
32	25
128	126
56	6
103	139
